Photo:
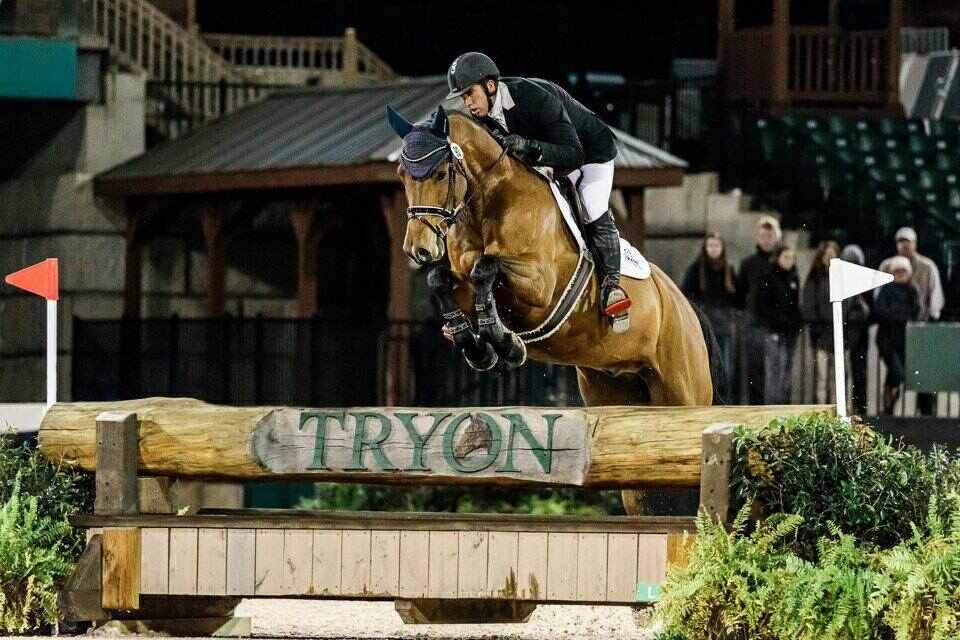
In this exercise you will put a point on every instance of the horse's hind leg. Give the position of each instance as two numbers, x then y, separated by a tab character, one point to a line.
507	344
478	353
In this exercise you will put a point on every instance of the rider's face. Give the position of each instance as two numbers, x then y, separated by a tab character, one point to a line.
477	102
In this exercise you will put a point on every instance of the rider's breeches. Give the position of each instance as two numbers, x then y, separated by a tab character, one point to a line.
594	188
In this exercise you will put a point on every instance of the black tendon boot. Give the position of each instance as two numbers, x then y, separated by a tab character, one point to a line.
605	244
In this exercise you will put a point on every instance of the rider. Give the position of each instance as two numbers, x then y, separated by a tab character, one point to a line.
545	126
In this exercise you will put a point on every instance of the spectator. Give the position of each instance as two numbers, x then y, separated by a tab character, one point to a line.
753	271
778	306
926	278
818	314
709	282
897	303
856	336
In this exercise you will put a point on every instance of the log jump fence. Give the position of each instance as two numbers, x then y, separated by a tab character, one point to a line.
155	560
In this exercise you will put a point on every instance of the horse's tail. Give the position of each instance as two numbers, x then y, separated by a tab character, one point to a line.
717	372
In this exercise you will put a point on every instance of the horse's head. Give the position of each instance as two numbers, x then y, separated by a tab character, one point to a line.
435	181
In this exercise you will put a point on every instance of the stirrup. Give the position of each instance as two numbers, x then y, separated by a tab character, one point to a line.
617	308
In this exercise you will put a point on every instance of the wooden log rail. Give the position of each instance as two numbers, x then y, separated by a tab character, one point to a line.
598	447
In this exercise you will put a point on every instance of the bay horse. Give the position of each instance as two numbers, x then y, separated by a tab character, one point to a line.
501	259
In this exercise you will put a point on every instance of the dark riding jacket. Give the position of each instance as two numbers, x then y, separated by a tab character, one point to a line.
569	134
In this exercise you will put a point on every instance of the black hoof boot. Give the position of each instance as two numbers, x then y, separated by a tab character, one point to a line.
486	361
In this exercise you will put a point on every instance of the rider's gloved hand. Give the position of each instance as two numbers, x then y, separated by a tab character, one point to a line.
527	150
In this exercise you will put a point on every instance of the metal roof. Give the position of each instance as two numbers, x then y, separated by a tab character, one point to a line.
320	127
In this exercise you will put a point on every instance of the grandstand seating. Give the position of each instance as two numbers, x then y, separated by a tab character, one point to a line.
867	176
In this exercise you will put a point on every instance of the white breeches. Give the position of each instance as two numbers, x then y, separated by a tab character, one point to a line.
594	188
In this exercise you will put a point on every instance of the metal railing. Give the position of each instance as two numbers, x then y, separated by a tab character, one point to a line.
177	107
323	362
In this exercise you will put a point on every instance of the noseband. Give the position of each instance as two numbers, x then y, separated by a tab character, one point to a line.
449	213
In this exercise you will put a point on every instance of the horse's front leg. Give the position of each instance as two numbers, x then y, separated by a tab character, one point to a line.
507	344
478	353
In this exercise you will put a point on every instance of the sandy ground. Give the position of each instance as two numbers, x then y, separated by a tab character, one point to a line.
378	620
336	619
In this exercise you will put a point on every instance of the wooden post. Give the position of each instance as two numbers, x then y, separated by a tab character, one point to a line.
394	205
894	24
120	586
726	24
636	228
133	267
715	471
303	221
351	57
781	54
212	221
116	479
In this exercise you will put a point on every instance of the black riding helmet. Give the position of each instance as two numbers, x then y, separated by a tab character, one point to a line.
469	69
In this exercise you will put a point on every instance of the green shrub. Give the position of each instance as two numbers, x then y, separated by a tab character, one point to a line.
727	590
363	497
826	470
33	559
919	591
829	599
61	490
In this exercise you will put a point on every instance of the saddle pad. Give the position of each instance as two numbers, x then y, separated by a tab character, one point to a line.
632	263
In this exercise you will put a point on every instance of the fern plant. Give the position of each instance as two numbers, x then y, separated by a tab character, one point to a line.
919	591
829	599
33	558
728	589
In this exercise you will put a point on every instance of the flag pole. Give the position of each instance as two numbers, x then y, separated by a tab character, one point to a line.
51	352
838	360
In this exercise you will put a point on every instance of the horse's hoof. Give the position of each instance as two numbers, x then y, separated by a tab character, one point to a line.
518	352
485	363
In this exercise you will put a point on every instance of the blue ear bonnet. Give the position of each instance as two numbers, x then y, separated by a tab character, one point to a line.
422	152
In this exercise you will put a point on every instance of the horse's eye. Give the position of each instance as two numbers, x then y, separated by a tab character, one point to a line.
441	175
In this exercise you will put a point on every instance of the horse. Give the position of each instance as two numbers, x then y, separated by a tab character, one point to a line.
492	233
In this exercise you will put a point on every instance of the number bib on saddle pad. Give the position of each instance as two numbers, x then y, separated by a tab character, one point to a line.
632	263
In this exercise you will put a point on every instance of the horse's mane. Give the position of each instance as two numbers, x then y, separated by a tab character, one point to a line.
467	118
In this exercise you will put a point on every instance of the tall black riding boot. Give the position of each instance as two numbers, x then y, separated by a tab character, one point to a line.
604	241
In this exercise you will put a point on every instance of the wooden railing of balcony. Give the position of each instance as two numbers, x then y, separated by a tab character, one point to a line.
825	65
292	59
836	66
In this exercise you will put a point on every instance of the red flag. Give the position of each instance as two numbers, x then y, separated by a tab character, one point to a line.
42	279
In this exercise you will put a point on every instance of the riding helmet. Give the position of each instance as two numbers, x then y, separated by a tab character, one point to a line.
467	70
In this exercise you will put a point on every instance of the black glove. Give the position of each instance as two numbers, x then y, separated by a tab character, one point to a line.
526	150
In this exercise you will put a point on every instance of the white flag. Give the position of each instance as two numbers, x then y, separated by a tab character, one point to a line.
848	279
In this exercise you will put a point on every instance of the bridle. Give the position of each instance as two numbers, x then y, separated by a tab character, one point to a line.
450	213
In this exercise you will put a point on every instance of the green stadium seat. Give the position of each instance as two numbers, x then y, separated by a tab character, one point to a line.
821	137
838	125
914	126
919	161
867	141
942	142
896	161
848	158
928	180
953	197
944	162
892	127
892	144
918	143
790	120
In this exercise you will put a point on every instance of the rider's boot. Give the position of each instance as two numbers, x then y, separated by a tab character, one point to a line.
604	242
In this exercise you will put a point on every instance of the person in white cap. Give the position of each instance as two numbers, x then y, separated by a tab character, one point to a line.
898	303
926	278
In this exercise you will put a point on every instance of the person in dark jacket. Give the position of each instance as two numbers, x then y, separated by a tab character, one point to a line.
897	303
818	314
543	125
778	307
856	335
710	283
753	270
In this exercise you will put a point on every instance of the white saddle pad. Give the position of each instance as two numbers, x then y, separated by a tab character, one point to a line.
632	263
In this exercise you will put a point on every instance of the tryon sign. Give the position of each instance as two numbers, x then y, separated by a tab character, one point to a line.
545	445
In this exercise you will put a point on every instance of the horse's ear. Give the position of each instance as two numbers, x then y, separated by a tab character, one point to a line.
440	126
398	123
